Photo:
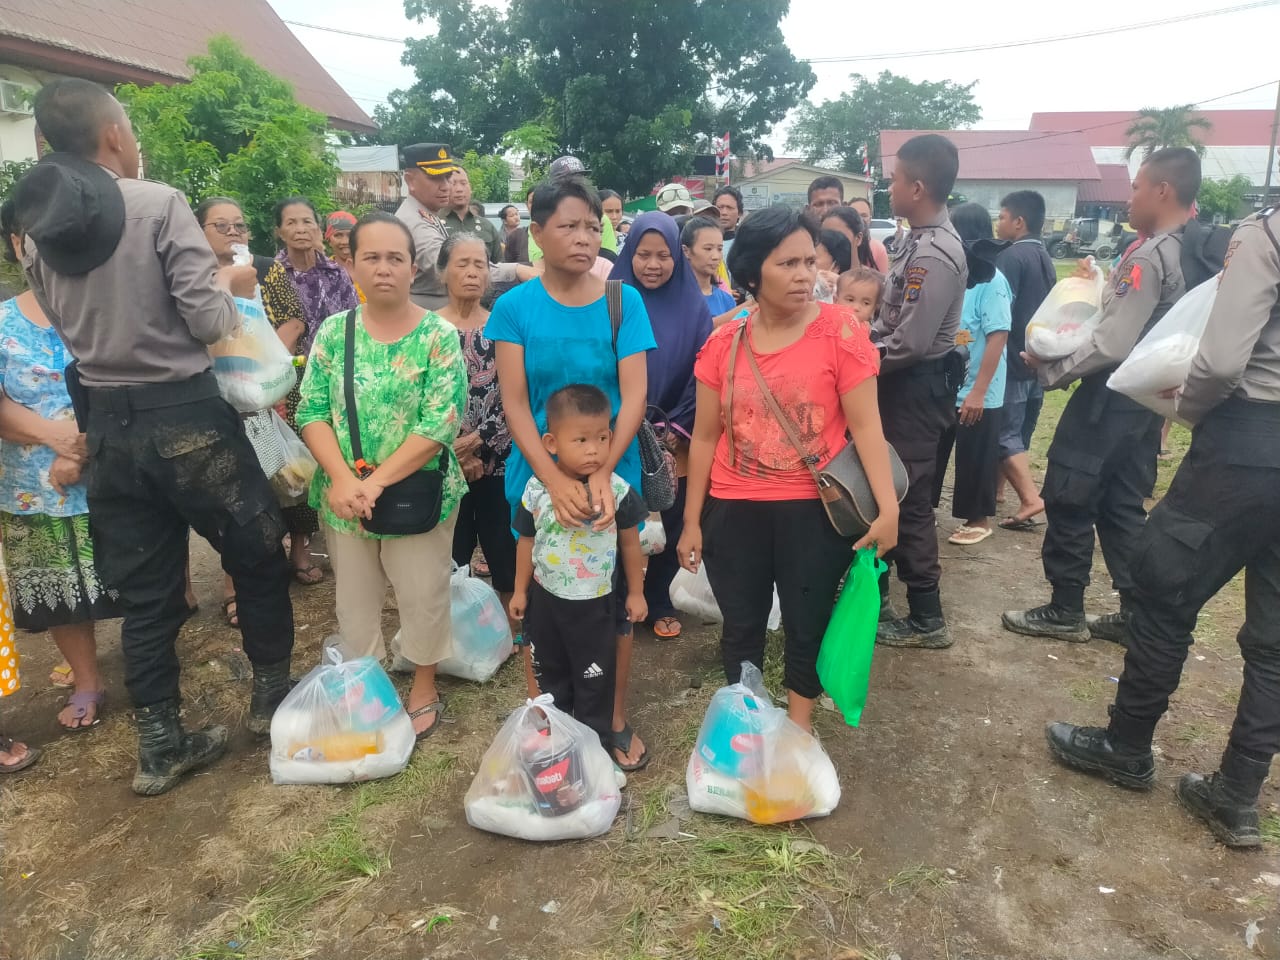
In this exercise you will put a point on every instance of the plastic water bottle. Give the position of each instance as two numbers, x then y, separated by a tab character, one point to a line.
240	255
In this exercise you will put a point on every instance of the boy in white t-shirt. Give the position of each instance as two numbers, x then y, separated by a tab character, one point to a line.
565	577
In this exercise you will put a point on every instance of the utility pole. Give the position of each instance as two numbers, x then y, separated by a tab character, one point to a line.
1271	153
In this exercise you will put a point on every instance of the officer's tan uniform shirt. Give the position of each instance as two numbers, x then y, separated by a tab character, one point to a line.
923	299
1139	292
429	234
1239	354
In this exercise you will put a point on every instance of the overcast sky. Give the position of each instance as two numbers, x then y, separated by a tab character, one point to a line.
1187	62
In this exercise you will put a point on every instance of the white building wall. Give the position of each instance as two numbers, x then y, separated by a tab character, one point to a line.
18	132
1059	196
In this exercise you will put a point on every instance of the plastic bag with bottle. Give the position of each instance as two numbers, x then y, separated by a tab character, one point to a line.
283	456
751	761
544	777
1162	359
253	368
342	723
1068	315
481	631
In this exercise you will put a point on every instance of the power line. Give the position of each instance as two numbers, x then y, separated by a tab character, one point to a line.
1102	31
346	33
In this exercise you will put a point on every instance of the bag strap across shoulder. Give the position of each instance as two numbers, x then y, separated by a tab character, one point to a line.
789	428
613	298
363	469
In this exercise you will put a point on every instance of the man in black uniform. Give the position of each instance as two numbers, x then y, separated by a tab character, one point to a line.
126	276
916	332
1221	515
1102	461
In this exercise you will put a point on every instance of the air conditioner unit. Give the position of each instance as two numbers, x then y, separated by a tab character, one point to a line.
16	98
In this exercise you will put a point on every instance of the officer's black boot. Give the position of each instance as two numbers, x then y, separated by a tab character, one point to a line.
1112	627
887	613
924	626
1227	800
270	685
166	752
1106	753
1062	618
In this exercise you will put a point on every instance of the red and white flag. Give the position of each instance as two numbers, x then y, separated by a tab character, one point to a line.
722	150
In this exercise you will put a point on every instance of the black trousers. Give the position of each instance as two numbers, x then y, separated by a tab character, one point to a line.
977	466
749	547
484	517
663	566
575	653
916	408
1221	515
164	459
1102	465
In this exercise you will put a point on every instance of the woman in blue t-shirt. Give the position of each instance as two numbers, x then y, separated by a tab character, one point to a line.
554	331
703	244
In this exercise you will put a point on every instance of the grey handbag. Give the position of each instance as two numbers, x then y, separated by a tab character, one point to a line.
842	484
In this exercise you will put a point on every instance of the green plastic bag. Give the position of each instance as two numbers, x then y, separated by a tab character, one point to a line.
844	660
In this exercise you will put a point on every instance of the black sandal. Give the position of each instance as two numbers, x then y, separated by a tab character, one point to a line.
620	742
6	746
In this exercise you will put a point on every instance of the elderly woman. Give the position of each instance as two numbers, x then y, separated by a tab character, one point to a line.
555	331
44	513
483	438
654	262
409	390
337	233
762	524
224	228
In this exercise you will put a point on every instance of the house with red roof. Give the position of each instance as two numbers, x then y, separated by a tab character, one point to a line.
145	41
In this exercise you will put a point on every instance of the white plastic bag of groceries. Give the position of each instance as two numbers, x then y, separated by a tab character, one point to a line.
253	368
1067	316
752	762
544	777
342	723
481	632
653	536
284	458
691	593
1162	359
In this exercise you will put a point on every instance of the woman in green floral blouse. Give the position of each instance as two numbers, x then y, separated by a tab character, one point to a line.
410	389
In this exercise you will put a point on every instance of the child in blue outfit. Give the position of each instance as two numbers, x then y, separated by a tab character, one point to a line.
565	576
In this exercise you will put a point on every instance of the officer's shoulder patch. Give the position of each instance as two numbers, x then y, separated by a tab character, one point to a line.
1231	249
1130	279
915	280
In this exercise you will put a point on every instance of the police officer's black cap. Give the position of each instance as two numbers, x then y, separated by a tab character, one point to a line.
74	211
433	159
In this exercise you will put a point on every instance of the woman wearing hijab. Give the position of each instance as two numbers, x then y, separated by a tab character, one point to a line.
653	262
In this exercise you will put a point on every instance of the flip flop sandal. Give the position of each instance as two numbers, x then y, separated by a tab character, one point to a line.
480	568
301	574
667	632
436	707
232	618
62	676
81	702
1023	525
6	746
967	536
620	742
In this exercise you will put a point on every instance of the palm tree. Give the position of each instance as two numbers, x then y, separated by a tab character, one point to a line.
1155	129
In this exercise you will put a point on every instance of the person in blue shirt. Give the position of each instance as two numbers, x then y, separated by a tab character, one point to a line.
984	328
703	244
554	331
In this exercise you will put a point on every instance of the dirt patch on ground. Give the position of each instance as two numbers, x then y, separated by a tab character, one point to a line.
956	837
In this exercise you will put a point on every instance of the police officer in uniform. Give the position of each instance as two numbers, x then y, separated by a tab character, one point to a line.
427	169
1102	462
916	332
1221	515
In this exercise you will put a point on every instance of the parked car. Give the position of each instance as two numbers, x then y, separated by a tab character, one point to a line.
882	230
491	211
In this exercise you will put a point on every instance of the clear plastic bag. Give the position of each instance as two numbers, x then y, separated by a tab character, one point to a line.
1162	359
481	632
691	593
342	723
253	368
1067	317
284	458
752	762
653	536
544	777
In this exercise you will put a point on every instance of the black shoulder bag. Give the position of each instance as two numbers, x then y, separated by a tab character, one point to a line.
408	506
658	481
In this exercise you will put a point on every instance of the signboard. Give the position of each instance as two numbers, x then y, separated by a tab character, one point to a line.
755	196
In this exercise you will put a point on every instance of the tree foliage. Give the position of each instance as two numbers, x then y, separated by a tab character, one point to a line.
1223	198
237	130
490	177
630	86
836	130
1157	128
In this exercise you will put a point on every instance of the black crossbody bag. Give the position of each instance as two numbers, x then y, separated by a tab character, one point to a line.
409	506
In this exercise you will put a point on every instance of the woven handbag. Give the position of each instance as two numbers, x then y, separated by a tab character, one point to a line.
842	484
